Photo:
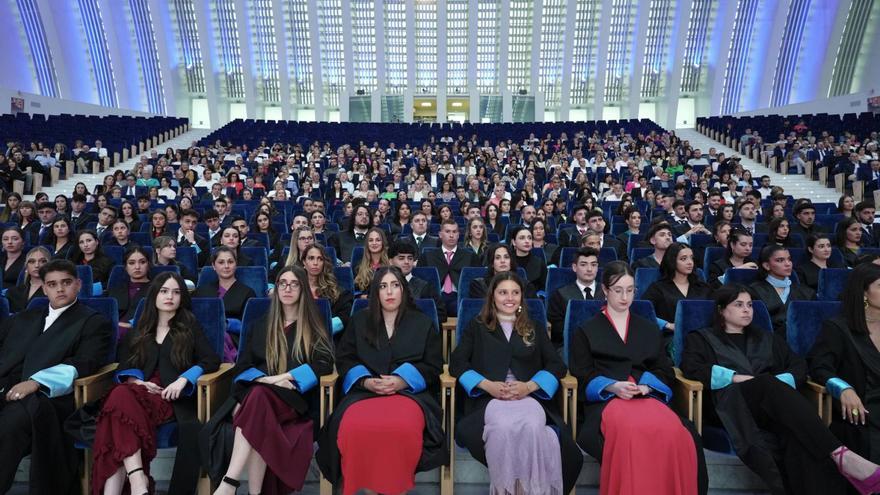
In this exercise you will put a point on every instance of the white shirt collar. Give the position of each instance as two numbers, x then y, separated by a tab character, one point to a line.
445	250
54	314
582	287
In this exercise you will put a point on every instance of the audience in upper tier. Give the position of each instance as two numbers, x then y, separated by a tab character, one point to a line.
509	238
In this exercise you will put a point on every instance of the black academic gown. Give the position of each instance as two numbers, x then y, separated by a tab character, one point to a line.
64	252
10	275
853	358
126	305
101	266
664	295
415	341
216	447
808	273
81	338
18	297
158	356
761	289
234	299
596	350
764	415
491	355
536	269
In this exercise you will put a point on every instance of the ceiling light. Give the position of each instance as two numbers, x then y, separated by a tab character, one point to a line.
425	103
456	104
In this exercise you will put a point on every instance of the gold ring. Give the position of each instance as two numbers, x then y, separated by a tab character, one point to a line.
855	412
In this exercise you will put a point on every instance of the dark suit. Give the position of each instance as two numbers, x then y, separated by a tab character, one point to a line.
202	243
427	241
558	305
461	259
234	299
80	340
344	242
80	222
571	236
420	289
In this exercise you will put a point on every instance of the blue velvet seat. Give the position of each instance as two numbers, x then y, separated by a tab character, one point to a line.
831	283
345	277
644	278
254	309
558	277
468	274
187	257
428	274
744	276
4	308
357	253
805	321
252	276
579	311
639	253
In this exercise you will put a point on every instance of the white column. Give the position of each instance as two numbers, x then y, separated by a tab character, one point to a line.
503	53
667	113
441	61
775	25
637	59
831	48
317	81
567	67
166	50
720	46
473	95
601	62
206	41
281	27
78	85
411	88
376	97
246	53
116	26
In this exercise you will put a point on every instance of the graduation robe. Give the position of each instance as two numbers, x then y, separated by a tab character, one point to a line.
482	353
234	299
414	353
77	344
127	305
761	289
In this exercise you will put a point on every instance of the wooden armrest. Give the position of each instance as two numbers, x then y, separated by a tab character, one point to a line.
821	399
93	387
329	380
815	387
690	385
447	380
327	399
447	405
569	402
687	399
212	389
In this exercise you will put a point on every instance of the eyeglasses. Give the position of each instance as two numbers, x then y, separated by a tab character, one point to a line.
289	285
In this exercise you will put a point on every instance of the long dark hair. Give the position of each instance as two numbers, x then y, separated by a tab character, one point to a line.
490	258
732	238
181	325
842	227
523	325
853	296
669	263
773	227
375	307
723	297
765	256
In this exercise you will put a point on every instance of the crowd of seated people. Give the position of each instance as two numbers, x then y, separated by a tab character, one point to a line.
578	217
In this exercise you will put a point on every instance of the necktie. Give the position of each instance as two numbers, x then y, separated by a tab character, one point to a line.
359	237
419	242
43	229
100	231
588	294
448	288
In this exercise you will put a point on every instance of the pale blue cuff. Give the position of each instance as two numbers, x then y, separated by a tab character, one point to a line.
192	376
469	381
337	324
658	389
304	377
721	377
547	385
682	239
197	248
129	373
661	323
836	386
595	391
353	375
97	289
722	279
56	380
411	376
249	375
788	379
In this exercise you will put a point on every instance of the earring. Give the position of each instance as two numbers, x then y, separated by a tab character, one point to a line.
519	309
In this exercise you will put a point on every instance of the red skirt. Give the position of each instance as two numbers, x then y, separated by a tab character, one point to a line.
647	450
380	442
280	436
127	422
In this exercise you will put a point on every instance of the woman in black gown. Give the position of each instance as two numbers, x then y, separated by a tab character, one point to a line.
678	280
819	252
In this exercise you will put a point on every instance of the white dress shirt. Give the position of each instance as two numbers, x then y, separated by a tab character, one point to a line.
54	314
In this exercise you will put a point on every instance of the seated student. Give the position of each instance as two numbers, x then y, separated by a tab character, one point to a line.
819	249
12	257
848	240
165	254
231	238
187	237
476	237
660	236
88	252
161	360
403	255
375	255
499	257
510	372
158	224
300	239
678	280
449	261
20	295
271	407
390	354
596	222
779	232
739	252
535	266
120	234
43	352
552	252
753	378
58	238
128	214
137	265
344	241
324	284
419	236
263	224
620	362
632	216
234	293
775	287
844	360
585	266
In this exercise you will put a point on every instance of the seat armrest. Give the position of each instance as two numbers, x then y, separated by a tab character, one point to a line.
687	399
212	389
328	395
94	387
447	405
821	399
569	402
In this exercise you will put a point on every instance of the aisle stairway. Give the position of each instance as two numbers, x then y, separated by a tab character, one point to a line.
797	186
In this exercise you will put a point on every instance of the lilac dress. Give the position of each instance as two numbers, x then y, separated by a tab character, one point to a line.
522	451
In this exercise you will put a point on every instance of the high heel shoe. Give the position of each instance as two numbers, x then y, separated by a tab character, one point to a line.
128	475
867	486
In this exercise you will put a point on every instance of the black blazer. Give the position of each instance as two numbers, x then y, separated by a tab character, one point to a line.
127	306
664	295
82	220
101	266
419	289
344	242
461	259
536	269
203	245
491	355
428	241
234	299
808	273
761	289
18	297
10	276
64	252
557	307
